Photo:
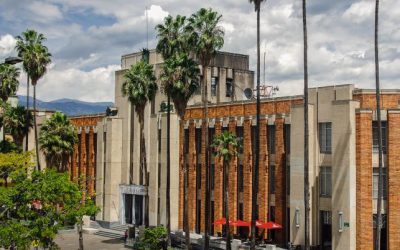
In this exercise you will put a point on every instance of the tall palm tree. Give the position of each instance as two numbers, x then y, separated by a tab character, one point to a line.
257	5
378	112
36	57
57	139
207	37
171	41
306	139
225	146
140	87
15	122
27	38
180	80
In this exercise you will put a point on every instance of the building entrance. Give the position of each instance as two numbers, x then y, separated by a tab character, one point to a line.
132	205
326	230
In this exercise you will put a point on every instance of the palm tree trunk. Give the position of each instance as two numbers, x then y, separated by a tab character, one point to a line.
306	180
378	112
206	151
167	199
257	148
146	174
27	115
226	205
35	125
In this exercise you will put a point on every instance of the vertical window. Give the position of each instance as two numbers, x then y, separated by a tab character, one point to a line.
287	138
253	142
375	136
198	176
240	179
272	179
287	180
197	135
199	88
325	137
375	183
211	133
239	134
271	139
212	175
214	86
325	176
229	88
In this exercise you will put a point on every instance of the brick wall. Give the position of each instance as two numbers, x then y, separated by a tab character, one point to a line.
394	180
364	222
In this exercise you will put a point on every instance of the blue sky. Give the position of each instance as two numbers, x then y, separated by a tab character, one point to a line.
88	37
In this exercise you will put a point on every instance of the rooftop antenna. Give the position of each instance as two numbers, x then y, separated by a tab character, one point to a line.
147	29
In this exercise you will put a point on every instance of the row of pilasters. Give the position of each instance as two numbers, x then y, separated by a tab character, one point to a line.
247	161
82	165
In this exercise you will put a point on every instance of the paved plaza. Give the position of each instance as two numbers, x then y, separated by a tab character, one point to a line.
69	241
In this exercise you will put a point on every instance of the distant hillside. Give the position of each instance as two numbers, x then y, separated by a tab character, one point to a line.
69	107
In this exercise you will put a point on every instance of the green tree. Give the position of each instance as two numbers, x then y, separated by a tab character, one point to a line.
225	147
207	37
13	161
36	58
24	41
180	79
15	122
9	81
140	87
172	42
57	139
257	5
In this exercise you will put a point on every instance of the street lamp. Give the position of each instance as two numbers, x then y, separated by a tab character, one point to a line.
12	60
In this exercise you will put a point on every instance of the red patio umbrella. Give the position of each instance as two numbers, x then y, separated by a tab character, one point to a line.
241	223
270	225
222	221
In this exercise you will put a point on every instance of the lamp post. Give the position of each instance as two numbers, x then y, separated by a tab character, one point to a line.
10	61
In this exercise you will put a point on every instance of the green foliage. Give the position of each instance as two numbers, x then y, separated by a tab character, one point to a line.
180	79
8	146
57	139
206	36
140	86
15	122
39	205
225	145
9	81
153	238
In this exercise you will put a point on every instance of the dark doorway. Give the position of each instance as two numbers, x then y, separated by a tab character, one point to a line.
138	210
326	230
383	231
128	208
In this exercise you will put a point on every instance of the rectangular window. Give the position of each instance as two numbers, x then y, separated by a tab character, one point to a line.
253	142
211	133
375	136
325	137
375	183
198	176
325	176
229	88
200	87
240	178
198	137
239	134
287	138
272	179
212	175
271	139
287	180
214	86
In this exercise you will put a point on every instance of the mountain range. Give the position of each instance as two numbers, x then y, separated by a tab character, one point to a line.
69	107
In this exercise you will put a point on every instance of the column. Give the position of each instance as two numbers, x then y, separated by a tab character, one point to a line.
233	181
247	170
192	177
74	163
181	174
263	174
82	162
364	227
280	193
394	179
204	126
90	175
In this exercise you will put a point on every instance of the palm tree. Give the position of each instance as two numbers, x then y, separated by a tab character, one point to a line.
15	121
378	113
27	38
306	139
140	87
171	41
180	79
36	58
8	87
207	37
57	139
257	5
225	146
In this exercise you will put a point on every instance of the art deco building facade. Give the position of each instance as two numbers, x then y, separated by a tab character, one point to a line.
343	159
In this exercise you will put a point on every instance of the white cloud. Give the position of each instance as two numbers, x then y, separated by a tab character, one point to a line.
156	13
45	12
7	44
360	11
